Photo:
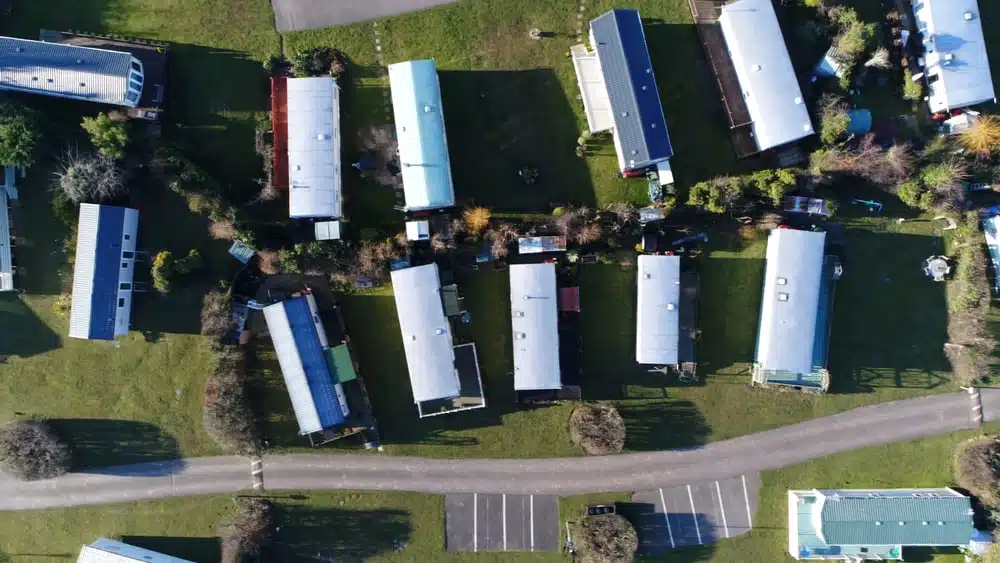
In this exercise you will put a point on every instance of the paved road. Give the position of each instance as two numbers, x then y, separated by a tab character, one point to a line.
296	15
866	426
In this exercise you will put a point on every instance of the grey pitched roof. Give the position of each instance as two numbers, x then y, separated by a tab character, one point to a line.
67	71
897	520
628	74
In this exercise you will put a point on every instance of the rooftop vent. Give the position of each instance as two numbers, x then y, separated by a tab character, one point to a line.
439	331
671	307
519	314
924	523
877	523
782	281
948	58
19	49
757	68
79	61
624	114
83	84
782	297
428	109
901	523
940	523
520	335
798	100
969	16
646	275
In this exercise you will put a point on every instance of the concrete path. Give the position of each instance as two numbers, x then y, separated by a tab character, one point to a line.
296	15
866	426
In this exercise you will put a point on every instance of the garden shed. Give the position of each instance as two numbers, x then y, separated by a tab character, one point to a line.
314	159
444	377
535	326
770	89
423	146
619	90
70	71
956	63
301	345
101	305
657	336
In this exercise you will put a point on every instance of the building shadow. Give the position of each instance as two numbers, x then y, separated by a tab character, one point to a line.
680	540
890	321
24	334
499	122
40	255
728	325
102	443
202	550
663	426
327	534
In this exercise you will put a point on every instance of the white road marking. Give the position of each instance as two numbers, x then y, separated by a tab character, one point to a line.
504	497
475	522
531	519
746	499
666	518
697	529
722	508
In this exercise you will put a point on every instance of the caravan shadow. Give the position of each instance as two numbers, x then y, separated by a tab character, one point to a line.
203	550
24	334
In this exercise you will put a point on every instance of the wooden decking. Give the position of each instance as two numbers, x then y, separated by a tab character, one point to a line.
279	127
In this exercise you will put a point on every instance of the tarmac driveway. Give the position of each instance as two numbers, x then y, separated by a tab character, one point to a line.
296	15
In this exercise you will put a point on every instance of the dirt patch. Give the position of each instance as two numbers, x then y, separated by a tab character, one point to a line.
379	142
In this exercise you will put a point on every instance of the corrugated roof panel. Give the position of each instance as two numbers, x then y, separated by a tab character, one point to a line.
111	551
426	332
107	270
621	48
314	159
955	56
6	258
658	310
535	325
790	304
420	132
764	69
66	71
904	519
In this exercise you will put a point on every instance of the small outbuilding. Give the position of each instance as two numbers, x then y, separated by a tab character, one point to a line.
103	273
111	551
444	377
619	91
956	62
314	159
423	146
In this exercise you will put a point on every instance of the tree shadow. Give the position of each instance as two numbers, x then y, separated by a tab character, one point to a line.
679	543
101	443
40	255
203	550
664	425
499	122
24	334
327	534
889	321
91	15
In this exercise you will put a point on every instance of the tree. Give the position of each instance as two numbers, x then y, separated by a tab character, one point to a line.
913	90
19	135
162	271
476	219
90	178
248	530
773	184
834	118
983	138
107	136
608	538
216	314
914	194
717	195
976	468
31	450
227	415
598	429
854	36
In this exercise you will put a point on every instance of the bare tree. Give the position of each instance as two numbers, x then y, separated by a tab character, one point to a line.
31	450
608	538
247	531
977	468
901	161
879	59
216	314
591	232
89	178
598	429
500	237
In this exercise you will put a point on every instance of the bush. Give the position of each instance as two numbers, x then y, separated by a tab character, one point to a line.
166	268
227	415
62	305
31	450
319	61
977	468
608	538
476	219
914	194
718	195
598	429
834	118
913	90
247	531
216	314
190	263
983	138
20	135
108	137
854	37
773	184
90	178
